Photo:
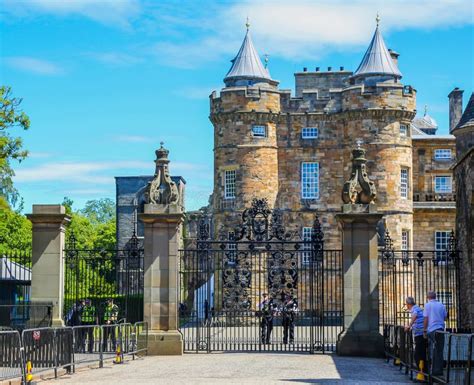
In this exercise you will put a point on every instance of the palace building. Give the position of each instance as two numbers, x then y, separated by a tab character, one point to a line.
295	149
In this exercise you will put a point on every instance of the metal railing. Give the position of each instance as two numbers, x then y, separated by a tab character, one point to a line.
49	349
457	355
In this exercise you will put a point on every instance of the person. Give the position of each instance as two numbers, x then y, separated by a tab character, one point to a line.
416	326
288	311
267	312
74	316
110	318
206	312
89	318
434	317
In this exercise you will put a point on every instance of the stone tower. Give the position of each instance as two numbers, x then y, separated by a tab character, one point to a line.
245	139
377	110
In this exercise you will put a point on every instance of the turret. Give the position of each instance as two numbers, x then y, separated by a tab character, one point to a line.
244	118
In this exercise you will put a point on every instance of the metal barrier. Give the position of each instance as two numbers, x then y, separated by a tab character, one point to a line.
457	355
44	349
11	355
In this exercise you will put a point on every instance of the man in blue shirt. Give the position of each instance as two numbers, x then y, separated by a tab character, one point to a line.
434	316
416	326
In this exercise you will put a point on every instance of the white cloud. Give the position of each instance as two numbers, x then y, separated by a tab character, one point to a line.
110	12
115	59
307	29
34	65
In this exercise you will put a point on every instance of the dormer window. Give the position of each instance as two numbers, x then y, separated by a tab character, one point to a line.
309	132
259	131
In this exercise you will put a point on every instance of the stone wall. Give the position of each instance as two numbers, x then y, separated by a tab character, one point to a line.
427	221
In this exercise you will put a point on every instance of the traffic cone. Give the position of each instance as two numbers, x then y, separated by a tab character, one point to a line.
420	376
29	374
118	355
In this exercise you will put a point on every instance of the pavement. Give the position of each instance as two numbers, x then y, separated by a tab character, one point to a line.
241	368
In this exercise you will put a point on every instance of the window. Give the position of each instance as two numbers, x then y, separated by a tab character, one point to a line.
307	236
405	240
441	244
404	183
259	131
310	180
443	153
231	253
309	132
229	184
403	130
443	184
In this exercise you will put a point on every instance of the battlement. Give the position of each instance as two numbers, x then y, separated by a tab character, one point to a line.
320	81
250	98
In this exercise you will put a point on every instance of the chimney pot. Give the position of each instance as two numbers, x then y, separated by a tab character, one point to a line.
341	68
329	68
305	69
317	69
455	107
394	55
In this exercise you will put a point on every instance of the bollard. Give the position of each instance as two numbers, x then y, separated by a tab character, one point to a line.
420	376
29	375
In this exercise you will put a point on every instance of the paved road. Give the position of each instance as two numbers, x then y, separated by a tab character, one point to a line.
242	368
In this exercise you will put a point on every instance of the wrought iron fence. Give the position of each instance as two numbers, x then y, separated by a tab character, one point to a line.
97	275
11	355
412	273
222	283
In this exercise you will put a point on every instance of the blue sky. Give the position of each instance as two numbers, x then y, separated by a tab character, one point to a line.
104	81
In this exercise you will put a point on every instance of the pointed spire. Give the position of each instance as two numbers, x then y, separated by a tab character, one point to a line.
377	59
247	64
467	118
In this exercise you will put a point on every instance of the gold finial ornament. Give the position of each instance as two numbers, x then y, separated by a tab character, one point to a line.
266	60
426	109
247	23
377	19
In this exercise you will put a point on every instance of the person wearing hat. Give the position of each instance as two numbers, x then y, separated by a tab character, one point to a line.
267	312
110	318
288	311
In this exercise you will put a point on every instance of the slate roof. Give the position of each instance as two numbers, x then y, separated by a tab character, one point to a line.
247	64
467	118
377	59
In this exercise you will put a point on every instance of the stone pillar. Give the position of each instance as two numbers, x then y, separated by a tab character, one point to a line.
361	335
162	231
47	274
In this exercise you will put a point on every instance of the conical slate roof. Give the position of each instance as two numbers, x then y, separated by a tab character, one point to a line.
467	118
377	59
247	64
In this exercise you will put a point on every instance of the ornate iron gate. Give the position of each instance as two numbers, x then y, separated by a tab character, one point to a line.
99	274
222	283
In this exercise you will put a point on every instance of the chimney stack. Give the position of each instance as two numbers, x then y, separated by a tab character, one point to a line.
455	107
394	55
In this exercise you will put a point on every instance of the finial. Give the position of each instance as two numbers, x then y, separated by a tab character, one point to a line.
162	143
359	142
377	19
426	109
247	23
266	60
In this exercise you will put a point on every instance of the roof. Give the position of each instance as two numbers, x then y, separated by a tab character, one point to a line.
433	137
377	59
467	118
425	122
13	271
247	64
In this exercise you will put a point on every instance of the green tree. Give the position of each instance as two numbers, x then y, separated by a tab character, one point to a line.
15	229
99	210
11	146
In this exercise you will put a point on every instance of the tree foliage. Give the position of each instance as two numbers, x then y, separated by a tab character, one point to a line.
99	210
11	146
15	230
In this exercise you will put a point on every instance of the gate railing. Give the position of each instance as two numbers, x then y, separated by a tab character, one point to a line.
46	349
99	274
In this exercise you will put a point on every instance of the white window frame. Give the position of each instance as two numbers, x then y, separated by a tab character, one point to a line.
403	129
306	236
309	133
259	131
443	188
310	180
442	238
404	182
231	247
443	154
229	183
405	240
